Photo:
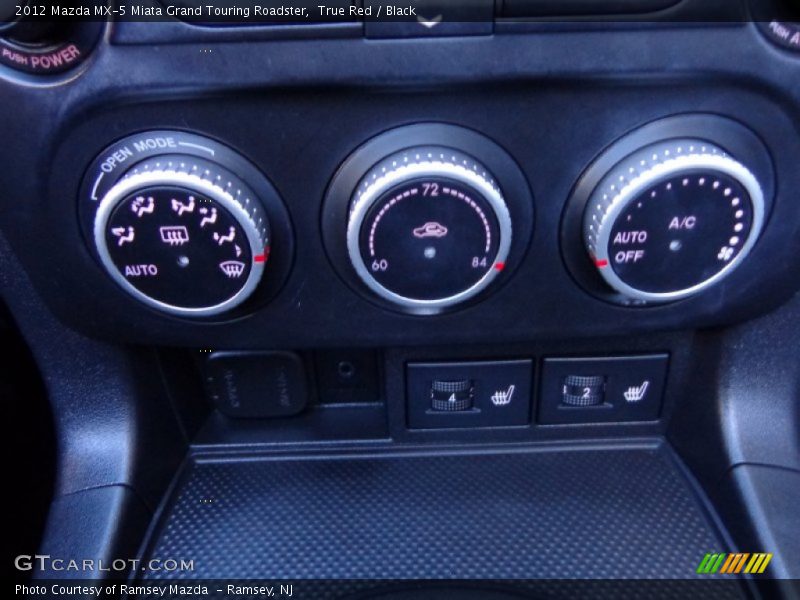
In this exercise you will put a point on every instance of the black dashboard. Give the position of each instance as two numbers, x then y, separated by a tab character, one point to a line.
530	112
502	223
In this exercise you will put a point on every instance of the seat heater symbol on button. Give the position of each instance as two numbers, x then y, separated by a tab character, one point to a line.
503	397
637	393
175	235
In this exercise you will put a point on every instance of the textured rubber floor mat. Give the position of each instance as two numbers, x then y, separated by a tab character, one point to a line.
626	513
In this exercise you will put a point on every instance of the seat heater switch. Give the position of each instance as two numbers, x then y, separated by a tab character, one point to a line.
485	394
605	389
451	395
583	390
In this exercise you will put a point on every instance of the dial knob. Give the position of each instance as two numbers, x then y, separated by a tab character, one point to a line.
428	228
183	235
671	219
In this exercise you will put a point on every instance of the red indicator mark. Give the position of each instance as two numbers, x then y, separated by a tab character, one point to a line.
260	258
500	266
601	262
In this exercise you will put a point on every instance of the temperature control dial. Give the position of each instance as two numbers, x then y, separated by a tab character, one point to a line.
182	237
672	219
428	228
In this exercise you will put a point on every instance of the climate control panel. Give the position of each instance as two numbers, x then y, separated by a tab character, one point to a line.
428	218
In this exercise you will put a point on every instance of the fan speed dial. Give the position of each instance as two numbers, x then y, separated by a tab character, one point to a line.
672	219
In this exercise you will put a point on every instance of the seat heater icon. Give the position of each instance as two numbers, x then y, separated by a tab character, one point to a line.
503	397
232	268
174	235
636	393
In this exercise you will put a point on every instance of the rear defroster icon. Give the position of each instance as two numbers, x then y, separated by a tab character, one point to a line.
174	235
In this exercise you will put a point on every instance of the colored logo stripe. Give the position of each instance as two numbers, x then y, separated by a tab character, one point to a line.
734	563
711	563
758	563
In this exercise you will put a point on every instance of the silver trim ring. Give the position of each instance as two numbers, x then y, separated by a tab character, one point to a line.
652	176
405	172
256	238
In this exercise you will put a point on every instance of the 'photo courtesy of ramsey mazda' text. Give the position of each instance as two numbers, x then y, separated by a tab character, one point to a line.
401	299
